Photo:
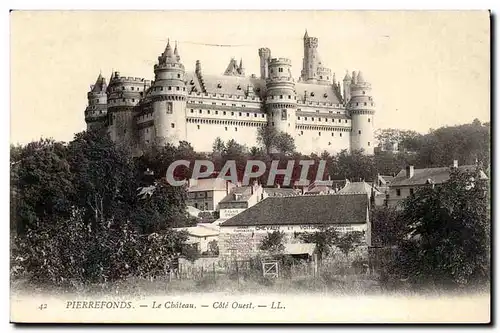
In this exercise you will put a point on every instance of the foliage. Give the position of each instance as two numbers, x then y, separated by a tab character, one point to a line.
272	140
324	239
387	226
273	242
448	233
349	241
213	248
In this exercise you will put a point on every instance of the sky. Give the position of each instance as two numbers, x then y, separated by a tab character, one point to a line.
427	69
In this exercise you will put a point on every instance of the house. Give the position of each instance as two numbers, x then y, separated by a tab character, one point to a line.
239	199
408	180
201	235
241	235
205	194
363	188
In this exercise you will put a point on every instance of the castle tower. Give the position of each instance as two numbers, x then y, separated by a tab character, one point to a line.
241	68
281	99
124	93
347	87
265	57
362	110
168	95
310	60
96	111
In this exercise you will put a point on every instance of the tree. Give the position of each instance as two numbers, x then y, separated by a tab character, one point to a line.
218	146
273	242
41	184
447	233
266	136
285	143
324	239
349	241
105	177
387	226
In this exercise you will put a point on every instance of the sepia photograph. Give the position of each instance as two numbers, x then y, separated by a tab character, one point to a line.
258	167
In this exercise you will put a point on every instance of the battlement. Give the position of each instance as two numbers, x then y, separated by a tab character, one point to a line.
169	66
311	41
130	79
264	51
280	61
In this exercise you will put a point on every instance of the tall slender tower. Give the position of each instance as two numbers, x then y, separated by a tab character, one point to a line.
362	109
265	57
347	87
96	111
281	99
168	94
310	60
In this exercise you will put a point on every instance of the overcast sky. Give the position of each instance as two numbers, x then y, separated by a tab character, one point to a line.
427	69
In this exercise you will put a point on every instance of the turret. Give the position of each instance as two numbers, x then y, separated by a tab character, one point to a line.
265	57
362	109
310	60
241	69
96	111
168	98
346	85
281	99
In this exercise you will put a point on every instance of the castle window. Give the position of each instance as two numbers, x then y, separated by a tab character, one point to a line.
124	99
372	104
169	88
198	126
133	100
123	88
345	120
357	104
312	94
178	76
172	125
328	78
201	111
232	113
359	132
321	77
281	96
183	88
325	95
368	119
192	110
365	103
280	70
216	112
301	132
411	191
131	88
219	85
236	129
368	143
161	89
208	111
239	114
272	124
283	115
319	133
363	92
305	118
298	118
239	87
289	96
248	114
340	134
177	88
398	192
223	103
332	134
225	128
312	118
224	112
255	114
233	104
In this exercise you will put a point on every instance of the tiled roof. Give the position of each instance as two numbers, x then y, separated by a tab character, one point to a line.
209	184
300	248
238	194
224	84
320	210
421	176
356	188
201	231
281	192
319	92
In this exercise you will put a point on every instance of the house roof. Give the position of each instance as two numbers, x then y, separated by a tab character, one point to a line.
193	211
316	93
238	194
209	184
281	192
300	248
201	230
423	176
295	210
386	179
356	188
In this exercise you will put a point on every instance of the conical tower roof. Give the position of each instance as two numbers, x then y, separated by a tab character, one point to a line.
306	35
347	77
100	84
360	79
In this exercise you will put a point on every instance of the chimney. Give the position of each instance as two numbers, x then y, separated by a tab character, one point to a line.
251	188
227	187
455	163
409	171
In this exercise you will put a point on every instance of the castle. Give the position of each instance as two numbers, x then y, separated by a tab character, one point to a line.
317	111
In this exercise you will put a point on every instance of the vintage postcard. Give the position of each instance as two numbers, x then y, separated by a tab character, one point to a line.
250	167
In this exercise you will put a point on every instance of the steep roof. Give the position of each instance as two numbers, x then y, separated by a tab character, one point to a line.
421	176
319	91
209	184
319	210
238	194
281	192
357	188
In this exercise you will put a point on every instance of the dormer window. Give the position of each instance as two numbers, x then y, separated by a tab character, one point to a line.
312	94
325	95
192	82
219	85
239	87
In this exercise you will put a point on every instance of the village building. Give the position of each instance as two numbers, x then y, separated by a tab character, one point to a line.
205	194
201	235
241	235
408	180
